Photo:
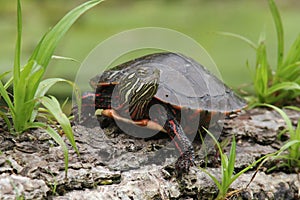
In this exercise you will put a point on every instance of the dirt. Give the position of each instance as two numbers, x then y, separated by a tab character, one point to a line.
114	165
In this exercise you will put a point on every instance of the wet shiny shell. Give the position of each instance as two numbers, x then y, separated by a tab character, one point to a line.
183	83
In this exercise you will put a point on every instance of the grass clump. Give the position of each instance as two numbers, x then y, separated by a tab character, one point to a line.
290	151
28	87
228	175
283	83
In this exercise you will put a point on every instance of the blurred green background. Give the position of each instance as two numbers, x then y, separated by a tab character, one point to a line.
198	19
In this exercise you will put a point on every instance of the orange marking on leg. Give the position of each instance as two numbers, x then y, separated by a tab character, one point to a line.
107	113
155	126
144	122
177	107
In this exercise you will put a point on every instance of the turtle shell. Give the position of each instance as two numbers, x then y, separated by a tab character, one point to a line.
183	83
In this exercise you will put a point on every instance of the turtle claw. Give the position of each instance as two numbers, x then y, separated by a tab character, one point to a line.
184	162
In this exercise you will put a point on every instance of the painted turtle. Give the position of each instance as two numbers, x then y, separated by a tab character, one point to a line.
164	91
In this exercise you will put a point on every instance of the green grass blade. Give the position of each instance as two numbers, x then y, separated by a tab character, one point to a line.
262	71
4	74
33	81
4	94
63	105
54	108
224	185
262	159
249	42
32	87
292	108
227	167
296	149
288	145
20	94
36	50
3	115
46	84
215	140
61	143
294	52
232	157
64	58
215	180
8	83
225	174
25	90
57	138
17	61
230	169
283	86
44	51
289	72
16	71
283	115
279	31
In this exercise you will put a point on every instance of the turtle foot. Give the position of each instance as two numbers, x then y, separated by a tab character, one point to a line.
184	162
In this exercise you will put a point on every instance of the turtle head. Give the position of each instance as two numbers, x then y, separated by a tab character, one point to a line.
140	84
136	89
146	75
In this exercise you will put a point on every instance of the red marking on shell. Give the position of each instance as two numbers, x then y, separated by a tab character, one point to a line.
196	113
88	95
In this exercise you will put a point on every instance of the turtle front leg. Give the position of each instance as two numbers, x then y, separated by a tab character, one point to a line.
183	145
164	115
171	126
